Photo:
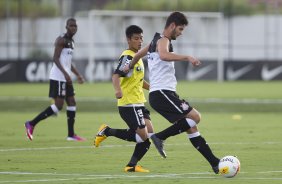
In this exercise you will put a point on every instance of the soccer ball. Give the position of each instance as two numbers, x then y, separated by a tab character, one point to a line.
229	166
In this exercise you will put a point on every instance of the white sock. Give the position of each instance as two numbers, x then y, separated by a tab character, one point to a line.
191	122
196	134
150	134
138	138
54	108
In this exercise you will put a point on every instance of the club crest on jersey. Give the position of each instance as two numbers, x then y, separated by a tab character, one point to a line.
70	52
64	86
70	45
184	106
63	92
139	68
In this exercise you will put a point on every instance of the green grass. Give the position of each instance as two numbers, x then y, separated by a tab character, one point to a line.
254	136
198	89
206	96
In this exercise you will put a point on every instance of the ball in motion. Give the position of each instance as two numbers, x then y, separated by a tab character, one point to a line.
229	166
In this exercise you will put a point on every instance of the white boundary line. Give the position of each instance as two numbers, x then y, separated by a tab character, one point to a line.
128	145
128	176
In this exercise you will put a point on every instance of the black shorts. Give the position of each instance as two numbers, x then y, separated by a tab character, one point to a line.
60	89
134	116
168	104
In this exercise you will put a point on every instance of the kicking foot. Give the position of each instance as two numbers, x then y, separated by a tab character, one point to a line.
100	137
159	144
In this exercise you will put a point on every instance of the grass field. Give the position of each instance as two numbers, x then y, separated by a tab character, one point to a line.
238	118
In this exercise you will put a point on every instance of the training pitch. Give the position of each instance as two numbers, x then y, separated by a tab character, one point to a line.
238	118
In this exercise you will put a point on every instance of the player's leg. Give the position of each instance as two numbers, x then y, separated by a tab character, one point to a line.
141	148
172	108
52	109
30	125
150	132
148	122
141	116
106	131
71	114
137	132
199	142
150	127
175	129
139	151
140	136
168	104
131	117
130	135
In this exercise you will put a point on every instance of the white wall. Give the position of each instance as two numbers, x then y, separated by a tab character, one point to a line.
253	37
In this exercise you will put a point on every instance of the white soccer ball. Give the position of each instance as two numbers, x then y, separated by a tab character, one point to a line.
229	166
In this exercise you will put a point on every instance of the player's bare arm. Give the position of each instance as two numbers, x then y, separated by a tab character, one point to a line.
141	53
80	78
59	45
146	85
165	55
116	85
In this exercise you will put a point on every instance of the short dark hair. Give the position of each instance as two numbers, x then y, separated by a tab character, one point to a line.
132	29
178	18
69	20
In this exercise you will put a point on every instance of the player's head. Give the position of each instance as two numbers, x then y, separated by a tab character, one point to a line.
134	36
71	26
175	23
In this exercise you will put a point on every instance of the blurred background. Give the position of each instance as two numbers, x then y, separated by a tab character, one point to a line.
235	39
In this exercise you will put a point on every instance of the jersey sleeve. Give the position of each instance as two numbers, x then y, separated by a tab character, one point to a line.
123	61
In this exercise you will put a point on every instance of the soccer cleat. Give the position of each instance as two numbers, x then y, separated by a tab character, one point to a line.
100	137
159	144
215	169
29	130
136	168
76	138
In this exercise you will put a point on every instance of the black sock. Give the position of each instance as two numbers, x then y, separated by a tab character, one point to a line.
200	144
124	134
71	120
139	151
43	115
177	128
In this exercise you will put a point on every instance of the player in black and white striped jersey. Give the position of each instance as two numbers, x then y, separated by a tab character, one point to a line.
163	97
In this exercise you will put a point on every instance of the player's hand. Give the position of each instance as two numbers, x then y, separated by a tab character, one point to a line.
126	67
118	94
68	79
194	61
80	79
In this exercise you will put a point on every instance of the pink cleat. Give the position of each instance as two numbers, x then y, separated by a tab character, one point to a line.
29	130
76	138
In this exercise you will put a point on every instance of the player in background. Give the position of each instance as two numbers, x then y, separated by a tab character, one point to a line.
162	95
130	100
61	85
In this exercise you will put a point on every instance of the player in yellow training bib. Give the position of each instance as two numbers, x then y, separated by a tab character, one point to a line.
129	92
132	83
